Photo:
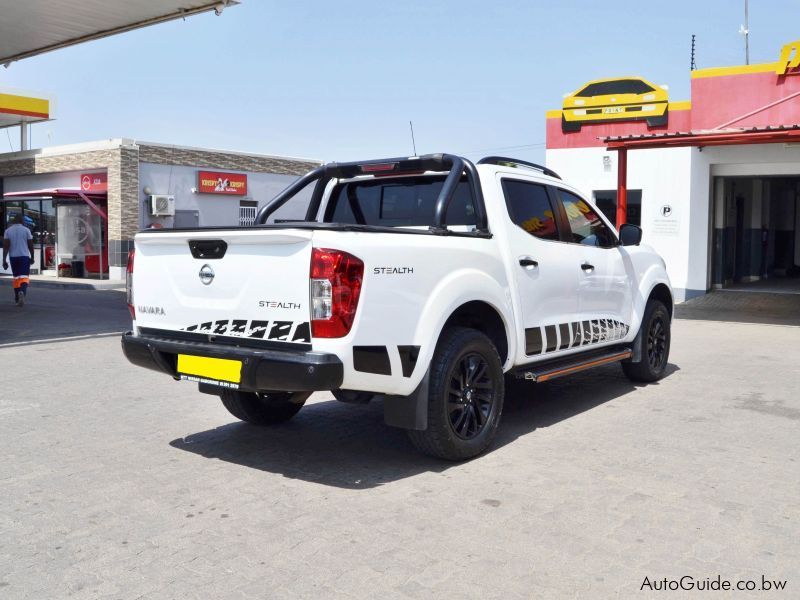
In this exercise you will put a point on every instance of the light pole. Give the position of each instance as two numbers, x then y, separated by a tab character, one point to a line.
745	31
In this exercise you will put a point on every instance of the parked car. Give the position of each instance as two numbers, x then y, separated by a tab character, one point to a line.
425	281
623	99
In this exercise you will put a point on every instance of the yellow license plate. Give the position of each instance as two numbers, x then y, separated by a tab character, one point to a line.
203	367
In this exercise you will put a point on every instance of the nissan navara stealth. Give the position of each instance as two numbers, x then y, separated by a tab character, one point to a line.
422	281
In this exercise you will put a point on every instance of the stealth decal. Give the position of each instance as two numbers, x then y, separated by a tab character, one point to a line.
279	331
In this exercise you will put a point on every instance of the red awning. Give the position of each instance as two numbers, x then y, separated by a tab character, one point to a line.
64	193
75	193
712	137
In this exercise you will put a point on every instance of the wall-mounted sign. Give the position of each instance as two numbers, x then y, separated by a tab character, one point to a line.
666	223
217	182
623	99
94	182
789	60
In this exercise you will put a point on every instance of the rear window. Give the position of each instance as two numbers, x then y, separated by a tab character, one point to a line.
618	86
405	202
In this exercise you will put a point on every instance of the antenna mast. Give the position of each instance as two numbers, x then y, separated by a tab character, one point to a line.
413	143
693	65
745	31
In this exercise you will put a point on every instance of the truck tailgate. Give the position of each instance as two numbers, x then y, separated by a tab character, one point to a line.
244	284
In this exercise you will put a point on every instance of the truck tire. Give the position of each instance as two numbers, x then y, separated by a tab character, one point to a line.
465	396
263	409
655	333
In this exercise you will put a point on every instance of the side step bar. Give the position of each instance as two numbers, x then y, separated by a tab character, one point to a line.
567	365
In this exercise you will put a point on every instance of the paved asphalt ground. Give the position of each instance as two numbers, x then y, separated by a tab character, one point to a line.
120	483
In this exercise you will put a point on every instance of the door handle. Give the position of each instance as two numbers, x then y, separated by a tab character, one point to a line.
528	262
587	267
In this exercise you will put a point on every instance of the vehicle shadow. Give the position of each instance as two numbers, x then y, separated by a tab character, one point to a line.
349	446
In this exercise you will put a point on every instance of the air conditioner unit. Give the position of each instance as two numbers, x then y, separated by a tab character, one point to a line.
162	206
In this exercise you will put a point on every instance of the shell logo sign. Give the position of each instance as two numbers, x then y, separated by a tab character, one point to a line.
94	182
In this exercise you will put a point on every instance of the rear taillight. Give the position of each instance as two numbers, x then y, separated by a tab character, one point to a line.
335	287
129	284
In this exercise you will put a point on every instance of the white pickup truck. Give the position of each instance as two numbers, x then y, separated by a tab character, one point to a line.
424	281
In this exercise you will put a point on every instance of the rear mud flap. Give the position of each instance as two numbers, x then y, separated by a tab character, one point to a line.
408	412
636	349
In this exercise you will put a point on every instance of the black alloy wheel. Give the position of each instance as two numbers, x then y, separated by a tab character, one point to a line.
657	342
470	396
654	337
466	390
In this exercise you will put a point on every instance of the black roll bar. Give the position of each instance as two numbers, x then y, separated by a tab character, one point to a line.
456	165
294	188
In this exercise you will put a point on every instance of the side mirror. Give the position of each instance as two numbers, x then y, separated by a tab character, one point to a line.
630	235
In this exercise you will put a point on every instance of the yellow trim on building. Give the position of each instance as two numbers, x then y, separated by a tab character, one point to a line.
680	105
553	114
735	70
24	105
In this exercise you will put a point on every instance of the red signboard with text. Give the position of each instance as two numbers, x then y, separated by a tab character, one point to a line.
94	182
216	182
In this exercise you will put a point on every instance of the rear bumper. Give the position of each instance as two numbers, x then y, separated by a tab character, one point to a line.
288	370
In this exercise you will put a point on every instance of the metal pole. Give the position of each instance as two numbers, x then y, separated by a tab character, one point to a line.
622	187
23	136
746	35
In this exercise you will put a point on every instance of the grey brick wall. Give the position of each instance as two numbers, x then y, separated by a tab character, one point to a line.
122	165
98	159
165	155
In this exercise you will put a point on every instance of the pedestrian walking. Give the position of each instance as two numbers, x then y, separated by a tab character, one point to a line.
18	247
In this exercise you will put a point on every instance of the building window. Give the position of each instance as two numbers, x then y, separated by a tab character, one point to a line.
606	201
247	213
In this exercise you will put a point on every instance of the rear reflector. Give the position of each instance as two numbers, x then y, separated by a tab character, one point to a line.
335	288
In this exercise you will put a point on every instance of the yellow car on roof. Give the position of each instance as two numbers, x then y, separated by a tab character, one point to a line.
619	99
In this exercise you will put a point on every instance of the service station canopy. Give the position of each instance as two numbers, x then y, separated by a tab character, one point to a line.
21	107
31	27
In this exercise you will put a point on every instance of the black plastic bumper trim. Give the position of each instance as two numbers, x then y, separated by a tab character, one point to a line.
372	359
262	369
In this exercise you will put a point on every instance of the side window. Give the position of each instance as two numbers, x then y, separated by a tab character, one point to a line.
529	207
586	227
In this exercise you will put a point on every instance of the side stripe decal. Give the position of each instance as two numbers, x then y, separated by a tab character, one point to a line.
572	335
550	334
533	341
563	334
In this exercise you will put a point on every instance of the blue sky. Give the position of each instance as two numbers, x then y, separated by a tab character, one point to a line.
341	80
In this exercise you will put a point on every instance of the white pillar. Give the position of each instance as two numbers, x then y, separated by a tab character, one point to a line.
23	136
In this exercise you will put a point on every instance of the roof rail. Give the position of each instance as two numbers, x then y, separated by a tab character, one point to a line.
515	162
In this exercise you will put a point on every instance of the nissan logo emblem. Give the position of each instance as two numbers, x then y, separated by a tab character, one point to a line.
206	274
